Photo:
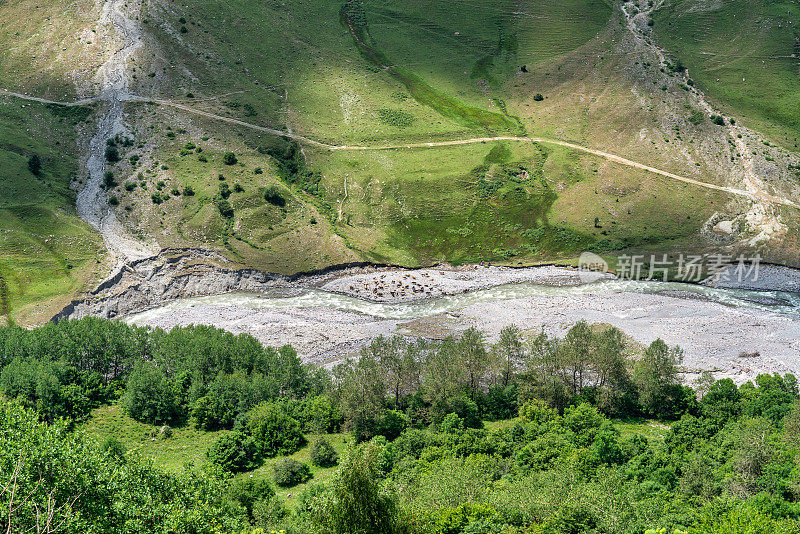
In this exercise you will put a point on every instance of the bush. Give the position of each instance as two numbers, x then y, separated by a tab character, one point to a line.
130	186
249	492
237	188
323	454
225	208
234	452
113	201
274	195
35	164
224	191
538	97
149	396
112	154
156	198
391	424
273	430
188	191
114	448
229	158
108	180
290	473
175	192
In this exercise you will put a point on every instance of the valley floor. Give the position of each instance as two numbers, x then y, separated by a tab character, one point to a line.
734	334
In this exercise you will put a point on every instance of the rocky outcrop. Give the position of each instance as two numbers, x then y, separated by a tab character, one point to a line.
170	275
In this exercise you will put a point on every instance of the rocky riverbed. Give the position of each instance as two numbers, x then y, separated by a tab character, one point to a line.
329	317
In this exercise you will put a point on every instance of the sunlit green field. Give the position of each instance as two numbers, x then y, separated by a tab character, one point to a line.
46	251
744	54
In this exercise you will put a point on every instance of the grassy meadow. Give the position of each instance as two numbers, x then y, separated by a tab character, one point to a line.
744	55
47	252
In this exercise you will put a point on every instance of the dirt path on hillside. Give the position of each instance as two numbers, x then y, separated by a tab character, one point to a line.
754	194
92	201
761	215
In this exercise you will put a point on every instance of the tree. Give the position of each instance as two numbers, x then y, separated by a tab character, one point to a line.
273	430
721	402
234	452
55	480
323	454
225	208
362	393
149	396
229	158
510	352
274	195
112	154
474	358
443	377
357	503
35	164
656	378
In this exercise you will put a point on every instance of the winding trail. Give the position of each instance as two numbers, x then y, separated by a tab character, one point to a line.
759	215
754	195
93	207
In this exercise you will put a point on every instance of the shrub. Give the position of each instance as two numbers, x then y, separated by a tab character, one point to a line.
188	191
273	430
35	164
113	200
112	154
156	198
225	208
251	491
237	188
538	97
396	118
234	452
258	171
391	424
175	192
108	180
274	195
202	158
229	158
323	454
290	473
697	117
130	186
224	191
114	448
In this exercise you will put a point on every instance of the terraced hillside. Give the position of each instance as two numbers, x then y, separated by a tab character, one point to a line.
297	135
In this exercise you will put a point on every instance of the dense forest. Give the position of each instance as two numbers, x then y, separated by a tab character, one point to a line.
531	434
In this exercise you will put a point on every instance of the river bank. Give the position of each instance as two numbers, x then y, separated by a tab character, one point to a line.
326	318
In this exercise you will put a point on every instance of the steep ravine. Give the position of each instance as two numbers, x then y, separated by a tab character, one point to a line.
113	79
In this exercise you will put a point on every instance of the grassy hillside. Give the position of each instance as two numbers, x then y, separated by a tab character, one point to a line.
744	54
46	252
49	47
371	73
378	73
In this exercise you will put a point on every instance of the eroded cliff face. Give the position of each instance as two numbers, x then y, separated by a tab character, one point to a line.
170	275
